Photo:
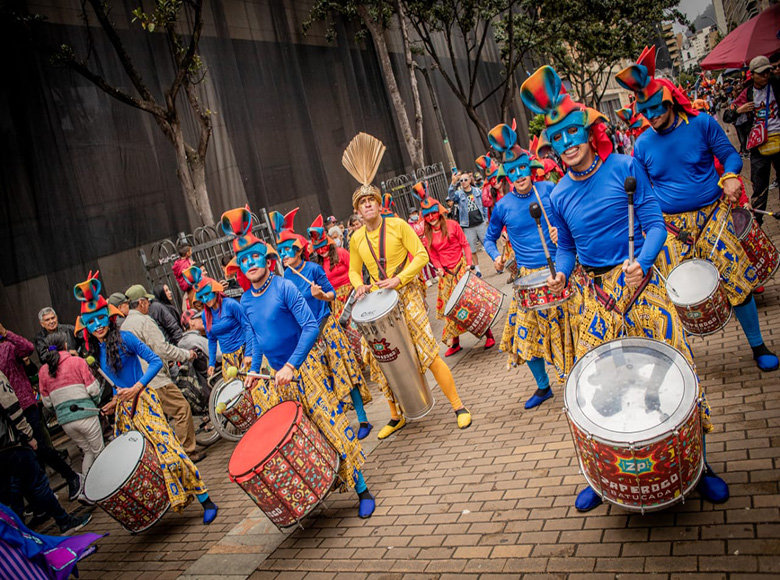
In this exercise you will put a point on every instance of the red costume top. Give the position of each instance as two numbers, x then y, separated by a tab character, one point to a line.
339	274
447	252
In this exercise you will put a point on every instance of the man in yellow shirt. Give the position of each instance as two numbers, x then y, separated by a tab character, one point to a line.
394	263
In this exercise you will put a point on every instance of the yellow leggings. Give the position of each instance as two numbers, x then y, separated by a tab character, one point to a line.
443	375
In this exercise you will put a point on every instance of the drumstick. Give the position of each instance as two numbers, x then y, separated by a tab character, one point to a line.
536	213
720	232
657	271
630	186
541	205
301	275
263	377
74	408
769	213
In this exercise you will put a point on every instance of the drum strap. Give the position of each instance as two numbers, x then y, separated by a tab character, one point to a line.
704	225
681	235
609	302
639	290
381	261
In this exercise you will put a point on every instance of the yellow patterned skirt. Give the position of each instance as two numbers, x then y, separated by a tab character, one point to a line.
234	359
181	476
416	317
314	391
446	285
337	355
738	275
545	334
651	316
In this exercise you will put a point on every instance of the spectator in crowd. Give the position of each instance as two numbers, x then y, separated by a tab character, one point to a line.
121	303
65	382
139	323
195	333
336	235
22	475
49	324
471	213
183	262
164	295
13	349
353	223
168	323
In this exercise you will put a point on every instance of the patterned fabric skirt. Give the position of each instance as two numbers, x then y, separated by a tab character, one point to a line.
446	284
545	334
233	359
413	303
738	275
651	316
314	391
375	372
337	355
181	476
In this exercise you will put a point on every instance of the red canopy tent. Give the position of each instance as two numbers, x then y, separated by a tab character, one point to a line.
757	36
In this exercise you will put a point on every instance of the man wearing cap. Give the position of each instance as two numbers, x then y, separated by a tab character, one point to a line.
679	158
173	402
754	99
161	315
50	323
119	301
195	333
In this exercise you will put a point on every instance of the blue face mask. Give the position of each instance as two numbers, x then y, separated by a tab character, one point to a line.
252	257
287	249
568	133
206	295
652	107
94	321
518	169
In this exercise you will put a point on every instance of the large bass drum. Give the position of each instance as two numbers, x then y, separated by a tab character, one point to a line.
632	405
380	319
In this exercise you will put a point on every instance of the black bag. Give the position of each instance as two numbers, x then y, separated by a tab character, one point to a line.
192	387
730	115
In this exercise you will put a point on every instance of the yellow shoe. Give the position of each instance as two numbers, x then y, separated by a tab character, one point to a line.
388	430
464	419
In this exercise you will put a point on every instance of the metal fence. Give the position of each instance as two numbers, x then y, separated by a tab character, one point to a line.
401	187
208	249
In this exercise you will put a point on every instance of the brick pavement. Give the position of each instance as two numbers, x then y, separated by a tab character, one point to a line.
497	499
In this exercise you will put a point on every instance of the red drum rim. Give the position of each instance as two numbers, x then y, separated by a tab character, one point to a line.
263	439
743	224
679	403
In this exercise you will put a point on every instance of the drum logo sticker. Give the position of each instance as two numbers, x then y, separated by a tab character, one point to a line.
382	351
630	466
462	314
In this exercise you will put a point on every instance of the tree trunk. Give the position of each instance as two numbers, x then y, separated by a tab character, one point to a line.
482	128
191	171
413	146
418	115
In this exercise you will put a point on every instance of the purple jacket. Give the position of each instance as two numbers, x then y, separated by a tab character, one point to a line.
13	348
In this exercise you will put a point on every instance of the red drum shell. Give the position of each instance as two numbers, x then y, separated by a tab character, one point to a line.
533	293
706	314
760	250
241	413
474	304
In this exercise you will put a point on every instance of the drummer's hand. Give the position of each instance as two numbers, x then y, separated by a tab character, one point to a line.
246	364
499	264
390	283
748	206
128	395
554	235
284	376
33	444
361	291
109	407
316	292
558	283
249	381
210	371
634	273
732	188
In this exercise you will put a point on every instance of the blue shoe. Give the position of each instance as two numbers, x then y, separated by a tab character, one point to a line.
712	488
767	362
538	399
366	508
210	515
364	431
587	499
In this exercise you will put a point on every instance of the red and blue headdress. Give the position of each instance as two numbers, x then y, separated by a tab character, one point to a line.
317	234
95	309
637	124
287	241
516	161
490	168
238	223
543	93
387	206
651	93
428	205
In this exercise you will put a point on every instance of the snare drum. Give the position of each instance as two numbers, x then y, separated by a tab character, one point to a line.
380	319
632	406
760	250
697	294
474	304
284	464
126	481
533	293
239	409
511	267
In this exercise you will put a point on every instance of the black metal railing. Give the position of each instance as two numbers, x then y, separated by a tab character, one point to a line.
400	187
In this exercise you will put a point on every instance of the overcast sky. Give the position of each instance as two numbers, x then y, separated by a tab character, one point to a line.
692	8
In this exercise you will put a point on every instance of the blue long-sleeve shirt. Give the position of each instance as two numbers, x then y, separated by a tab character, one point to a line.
283	327
592	218
131	373
230	327
512	212
680	163
315	273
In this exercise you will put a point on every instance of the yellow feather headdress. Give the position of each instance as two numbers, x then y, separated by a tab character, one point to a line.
362	158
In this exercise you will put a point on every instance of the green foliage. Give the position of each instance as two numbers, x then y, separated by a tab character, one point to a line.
379	12
536	126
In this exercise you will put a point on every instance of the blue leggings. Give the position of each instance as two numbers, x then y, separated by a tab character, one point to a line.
360	484
357	402
539	372
747	314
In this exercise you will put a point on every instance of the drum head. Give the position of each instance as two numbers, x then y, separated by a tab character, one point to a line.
114	465
374	305
742	219
533	280
692	282
230	392
261	440
457	291
630	390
